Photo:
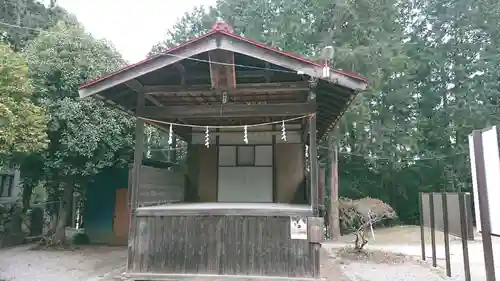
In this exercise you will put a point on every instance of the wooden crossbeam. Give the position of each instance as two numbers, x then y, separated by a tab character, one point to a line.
228	110
251	88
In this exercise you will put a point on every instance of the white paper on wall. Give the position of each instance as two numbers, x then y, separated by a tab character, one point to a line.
298	228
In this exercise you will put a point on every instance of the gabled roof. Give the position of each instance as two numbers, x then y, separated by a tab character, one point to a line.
334	88
337	76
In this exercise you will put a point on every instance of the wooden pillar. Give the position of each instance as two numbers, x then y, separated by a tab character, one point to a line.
172	153
136	171
321	189
313	160
333	216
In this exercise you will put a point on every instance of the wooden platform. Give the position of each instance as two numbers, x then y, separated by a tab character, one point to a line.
227	209
221	239
190	277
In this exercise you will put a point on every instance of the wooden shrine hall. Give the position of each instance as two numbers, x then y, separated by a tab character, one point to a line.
247	205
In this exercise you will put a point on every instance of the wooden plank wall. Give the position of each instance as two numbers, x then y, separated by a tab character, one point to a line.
160	185
289	171
225	245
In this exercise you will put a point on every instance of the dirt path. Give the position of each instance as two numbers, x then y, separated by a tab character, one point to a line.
92	263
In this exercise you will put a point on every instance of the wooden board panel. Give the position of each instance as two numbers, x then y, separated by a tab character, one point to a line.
207	188
121	217
289	170
160	185
224	245
245	184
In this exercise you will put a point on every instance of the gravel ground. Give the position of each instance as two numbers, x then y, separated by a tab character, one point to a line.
383	272
93	263
96	263
331	269
99	263
376	265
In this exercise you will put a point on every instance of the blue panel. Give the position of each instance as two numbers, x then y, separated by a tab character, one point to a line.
100	203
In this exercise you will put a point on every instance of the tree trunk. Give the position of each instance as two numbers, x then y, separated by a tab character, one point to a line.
65	207
26	197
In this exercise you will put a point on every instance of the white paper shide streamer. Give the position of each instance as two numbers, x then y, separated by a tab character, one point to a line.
170	134
207	137
245	135
283	131
207	128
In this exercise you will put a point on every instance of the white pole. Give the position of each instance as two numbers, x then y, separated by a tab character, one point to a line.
371	225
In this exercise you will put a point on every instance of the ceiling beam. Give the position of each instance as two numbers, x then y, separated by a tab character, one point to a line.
256	73
249	87
229	110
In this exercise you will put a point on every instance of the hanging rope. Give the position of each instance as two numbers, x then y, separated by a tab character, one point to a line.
227	127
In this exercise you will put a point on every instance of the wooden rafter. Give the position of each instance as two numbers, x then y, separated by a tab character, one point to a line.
268	73
139	89
182	71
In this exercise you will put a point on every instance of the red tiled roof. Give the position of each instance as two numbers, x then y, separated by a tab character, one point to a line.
222	28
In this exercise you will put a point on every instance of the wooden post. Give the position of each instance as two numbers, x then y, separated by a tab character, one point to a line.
334	218
421	218
172	153
433	229
484	208
444	202
138	155
463	232
313	160
321	189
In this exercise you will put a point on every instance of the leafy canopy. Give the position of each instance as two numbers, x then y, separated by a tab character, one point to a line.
22	123
85	137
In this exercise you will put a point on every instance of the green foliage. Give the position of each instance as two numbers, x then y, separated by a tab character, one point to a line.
22	123
31	15
65	57
85	137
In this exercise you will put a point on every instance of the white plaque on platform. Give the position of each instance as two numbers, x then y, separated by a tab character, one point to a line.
298	228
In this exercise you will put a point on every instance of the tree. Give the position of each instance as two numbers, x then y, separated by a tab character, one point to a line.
85	137
22	18
23	124
357	216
